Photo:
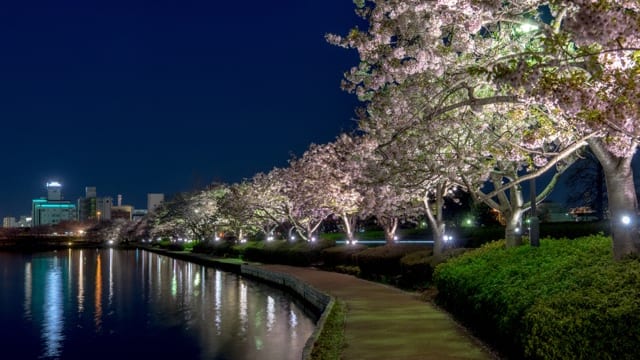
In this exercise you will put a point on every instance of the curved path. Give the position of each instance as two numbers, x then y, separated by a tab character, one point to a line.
387	323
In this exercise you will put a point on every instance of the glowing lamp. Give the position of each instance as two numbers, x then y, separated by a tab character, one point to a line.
626	220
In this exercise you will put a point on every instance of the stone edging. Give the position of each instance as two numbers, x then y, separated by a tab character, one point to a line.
322	302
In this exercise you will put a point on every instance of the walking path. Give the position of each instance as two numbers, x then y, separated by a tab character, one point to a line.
387	323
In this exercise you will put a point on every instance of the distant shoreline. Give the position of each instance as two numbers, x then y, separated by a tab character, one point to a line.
46	243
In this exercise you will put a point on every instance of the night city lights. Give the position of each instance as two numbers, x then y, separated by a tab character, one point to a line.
379	179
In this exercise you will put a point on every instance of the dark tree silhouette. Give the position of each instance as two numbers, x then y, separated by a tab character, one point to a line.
585	180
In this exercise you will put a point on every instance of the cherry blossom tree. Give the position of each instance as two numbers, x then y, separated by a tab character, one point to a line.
306	205
539	55
416	164
382	197
189	215
461	148
237	210
583	62
389	204
165	220
268	201
336	169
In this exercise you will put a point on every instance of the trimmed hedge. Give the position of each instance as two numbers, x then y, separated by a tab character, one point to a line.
171	246
300	253
416	269
566	299
341	255
217	248
383	262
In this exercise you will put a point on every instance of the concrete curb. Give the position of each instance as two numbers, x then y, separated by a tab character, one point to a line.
322	302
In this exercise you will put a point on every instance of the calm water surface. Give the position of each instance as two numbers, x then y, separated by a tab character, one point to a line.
113	304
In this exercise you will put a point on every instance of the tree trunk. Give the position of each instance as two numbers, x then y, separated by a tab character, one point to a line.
389	226
349	226
512	231
622	207
436	220
623	204
311	229
513	216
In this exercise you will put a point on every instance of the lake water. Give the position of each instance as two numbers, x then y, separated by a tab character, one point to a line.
116	304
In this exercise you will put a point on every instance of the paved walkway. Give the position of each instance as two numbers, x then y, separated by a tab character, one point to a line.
387	323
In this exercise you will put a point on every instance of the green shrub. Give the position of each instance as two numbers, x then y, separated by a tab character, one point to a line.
473	237
300	253
171	246
164	243
341	255
175	247
217	248
334	236
598	320
383	262
346	269
565	299
416	268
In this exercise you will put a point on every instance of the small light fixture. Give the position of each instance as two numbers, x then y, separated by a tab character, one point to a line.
626	220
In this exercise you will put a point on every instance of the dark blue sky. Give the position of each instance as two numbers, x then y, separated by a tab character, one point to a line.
164	96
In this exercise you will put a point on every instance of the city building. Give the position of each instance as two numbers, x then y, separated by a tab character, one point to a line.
9	222
54	191
103	208
122	212
53	209
138	214
87	207
25	221
153	201
92	207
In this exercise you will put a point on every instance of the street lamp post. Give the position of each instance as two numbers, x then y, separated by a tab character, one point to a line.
534	226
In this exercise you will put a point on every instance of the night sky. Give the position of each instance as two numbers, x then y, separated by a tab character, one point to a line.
164	96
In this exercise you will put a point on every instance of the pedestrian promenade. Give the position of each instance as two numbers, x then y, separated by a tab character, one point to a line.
387	323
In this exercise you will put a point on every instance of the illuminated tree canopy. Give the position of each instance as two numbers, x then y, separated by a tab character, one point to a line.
567	67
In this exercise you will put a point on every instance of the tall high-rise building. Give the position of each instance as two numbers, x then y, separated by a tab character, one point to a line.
52	209
153	201
54	191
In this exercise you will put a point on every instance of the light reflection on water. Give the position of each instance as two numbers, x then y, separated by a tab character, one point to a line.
104	304
28	290
53	324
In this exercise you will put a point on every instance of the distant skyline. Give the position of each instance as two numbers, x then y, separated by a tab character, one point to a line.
137	97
